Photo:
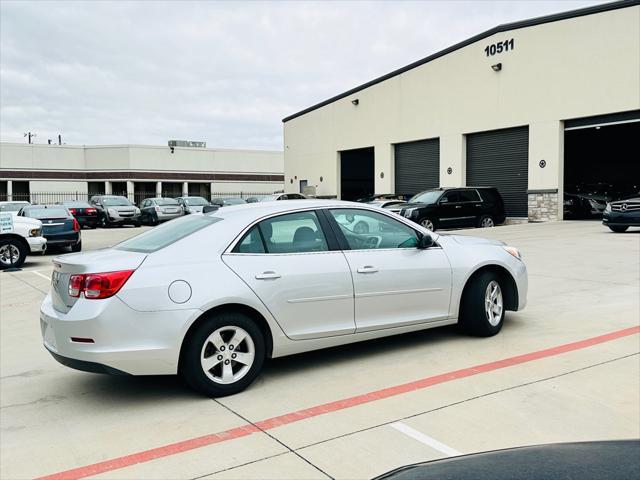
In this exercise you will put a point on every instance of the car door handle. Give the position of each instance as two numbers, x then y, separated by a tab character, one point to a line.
368	269
267	276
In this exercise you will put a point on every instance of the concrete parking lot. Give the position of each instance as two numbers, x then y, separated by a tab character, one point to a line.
567	368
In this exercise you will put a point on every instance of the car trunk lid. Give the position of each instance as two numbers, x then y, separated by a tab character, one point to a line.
98	261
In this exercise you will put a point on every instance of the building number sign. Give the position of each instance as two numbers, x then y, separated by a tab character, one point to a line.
499	47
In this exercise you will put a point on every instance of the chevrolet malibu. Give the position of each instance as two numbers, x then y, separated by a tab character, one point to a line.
211	296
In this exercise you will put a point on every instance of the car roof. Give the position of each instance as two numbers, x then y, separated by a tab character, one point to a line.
257	210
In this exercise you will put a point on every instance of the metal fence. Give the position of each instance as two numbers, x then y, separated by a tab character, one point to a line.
42	198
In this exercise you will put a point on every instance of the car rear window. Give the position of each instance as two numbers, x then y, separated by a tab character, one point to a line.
41	213
167	233
166	201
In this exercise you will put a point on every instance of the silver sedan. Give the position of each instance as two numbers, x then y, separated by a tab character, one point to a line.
212	296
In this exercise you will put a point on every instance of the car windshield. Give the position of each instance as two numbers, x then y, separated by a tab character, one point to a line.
12	207
116	202
430	196
49	212
167	233
268	198
232	201
195	201
166	201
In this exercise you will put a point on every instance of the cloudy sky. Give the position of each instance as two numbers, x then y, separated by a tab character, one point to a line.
222	72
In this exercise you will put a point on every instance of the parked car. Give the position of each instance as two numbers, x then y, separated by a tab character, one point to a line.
281	196
211	296
192	204
86	214
576	207
611	460
12	207
621	215
160	209
19	236
456	207
394	206
226	201
115	210
379	197
59	227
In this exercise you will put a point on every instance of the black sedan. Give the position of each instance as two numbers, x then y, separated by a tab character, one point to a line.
86	214
59	227
621	215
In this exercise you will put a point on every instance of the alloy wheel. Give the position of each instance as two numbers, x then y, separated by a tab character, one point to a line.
493	303
487	222
428	224
227	355
9	254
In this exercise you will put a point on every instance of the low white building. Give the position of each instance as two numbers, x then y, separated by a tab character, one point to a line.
47	173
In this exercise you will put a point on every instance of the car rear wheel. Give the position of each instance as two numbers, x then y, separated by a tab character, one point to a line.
223	355
482	307
12	253
618	228
486	222
77	247
104	223
428	224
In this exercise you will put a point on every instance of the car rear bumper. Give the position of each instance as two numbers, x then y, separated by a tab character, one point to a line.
37	244
90	221
63	239
124	340
163	217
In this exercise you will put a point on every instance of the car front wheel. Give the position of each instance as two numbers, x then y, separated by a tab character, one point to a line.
12	253
486	222
482	307
428	224
618	228
223	355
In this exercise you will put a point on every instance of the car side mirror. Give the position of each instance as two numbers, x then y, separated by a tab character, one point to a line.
209	208
425	241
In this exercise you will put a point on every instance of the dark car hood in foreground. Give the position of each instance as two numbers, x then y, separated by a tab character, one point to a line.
614	460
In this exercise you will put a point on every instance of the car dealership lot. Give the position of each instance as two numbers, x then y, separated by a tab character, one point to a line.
584	283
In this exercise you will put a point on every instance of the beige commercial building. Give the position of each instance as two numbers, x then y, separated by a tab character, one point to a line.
536	108
45	173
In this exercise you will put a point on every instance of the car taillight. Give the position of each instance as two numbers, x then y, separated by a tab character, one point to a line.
76	225
98	285
90	210
72	211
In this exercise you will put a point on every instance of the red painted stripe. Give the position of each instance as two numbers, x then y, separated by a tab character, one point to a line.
270	423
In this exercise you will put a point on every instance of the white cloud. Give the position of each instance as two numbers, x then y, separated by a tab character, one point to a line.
227	73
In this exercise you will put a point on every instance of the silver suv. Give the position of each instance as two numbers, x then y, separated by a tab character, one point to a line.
115	210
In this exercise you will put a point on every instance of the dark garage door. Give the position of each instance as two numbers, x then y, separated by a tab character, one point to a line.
417	166
500	158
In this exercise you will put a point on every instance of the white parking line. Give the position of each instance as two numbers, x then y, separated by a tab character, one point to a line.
427	440
41	275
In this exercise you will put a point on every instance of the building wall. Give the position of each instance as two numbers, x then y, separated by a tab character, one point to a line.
68	169
566	69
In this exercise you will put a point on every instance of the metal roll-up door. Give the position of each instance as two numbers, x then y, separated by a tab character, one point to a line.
417	166
500	158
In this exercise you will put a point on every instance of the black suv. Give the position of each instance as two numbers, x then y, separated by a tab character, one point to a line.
456	207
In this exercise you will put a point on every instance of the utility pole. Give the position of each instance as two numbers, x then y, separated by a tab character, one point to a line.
59	139
30	135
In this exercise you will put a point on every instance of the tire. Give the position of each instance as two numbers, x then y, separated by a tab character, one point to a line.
12	253
77	247
137	224
361	228
474	317
199	346
104	222
428	223
486	221
618	228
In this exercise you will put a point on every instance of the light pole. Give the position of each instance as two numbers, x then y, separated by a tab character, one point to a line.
30	135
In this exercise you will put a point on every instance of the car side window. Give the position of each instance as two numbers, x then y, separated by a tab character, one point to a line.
469	196
364	229
293	233
450	197
251	242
